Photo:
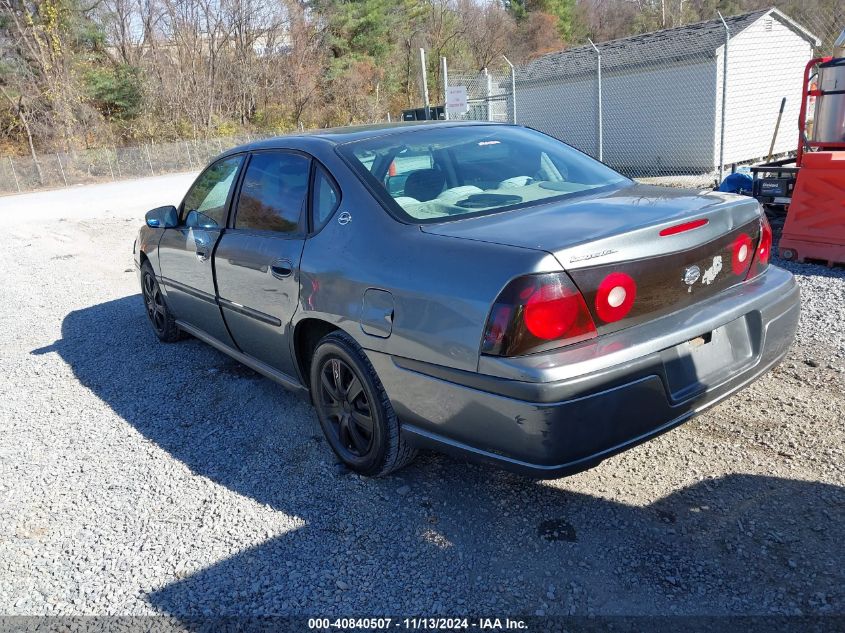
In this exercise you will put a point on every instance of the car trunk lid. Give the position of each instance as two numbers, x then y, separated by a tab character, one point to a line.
632	239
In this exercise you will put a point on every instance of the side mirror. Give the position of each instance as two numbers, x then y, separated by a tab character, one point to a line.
162	217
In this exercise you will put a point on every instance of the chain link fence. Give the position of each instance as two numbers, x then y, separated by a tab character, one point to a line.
63	169
489	96
679	106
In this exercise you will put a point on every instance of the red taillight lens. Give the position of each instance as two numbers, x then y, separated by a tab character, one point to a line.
764	249
615	297
742	254
551	311
536	313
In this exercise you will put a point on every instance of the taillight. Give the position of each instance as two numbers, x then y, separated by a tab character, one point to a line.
742	253
535	313
764	249
615	297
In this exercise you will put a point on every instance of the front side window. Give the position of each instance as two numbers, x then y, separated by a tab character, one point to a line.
273	193
205	203
441	173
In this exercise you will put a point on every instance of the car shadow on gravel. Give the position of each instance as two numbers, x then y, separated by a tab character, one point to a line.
443	536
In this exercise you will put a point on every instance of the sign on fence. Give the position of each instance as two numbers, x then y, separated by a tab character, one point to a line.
456	100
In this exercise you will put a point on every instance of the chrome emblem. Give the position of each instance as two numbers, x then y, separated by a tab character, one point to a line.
691	275
344	218
580	258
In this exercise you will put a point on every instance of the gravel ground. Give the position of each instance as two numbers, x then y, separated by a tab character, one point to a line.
140	478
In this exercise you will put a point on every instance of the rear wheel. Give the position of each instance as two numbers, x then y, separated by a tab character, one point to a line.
354	411
162	320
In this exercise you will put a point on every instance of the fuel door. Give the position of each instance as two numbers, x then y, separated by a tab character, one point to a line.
377	313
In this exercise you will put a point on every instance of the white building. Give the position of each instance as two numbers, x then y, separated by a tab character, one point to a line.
661	94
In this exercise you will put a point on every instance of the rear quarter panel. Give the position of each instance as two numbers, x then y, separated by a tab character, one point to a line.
442	287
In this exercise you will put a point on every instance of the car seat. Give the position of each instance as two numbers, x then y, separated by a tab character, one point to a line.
425	184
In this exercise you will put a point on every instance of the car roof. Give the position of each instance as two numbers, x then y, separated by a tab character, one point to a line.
339	135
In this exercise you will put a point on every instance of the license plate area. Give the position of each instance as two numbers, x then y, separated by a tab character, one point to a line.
708	359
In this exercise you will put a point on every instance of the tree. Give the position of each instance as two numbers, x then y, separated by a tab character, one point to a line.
538	35
488	32
563	10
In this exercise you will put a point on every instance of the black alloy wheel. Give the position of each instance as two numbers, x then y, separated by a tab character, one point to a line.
354	411
162	320
346	406
154	302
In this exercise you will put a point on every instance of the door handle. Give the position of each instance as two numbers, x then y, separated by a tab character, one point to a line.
201	246
281	269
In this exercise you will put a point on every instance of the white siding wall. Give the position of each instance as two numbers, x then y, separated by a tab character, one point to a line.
660	120
565	110
765	63
655	121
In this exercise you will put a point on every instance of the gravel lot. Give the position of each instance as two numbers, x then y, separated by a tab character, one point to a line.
140	478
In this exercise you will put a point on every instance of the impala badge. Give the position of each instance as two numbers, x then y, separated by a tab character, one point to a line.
344	218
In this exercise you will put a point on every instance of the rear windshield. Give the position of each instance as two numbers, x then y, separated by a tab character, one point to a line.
433	175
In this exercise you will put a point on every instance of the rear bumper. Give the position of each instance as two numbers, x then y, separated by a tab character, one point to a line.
554	414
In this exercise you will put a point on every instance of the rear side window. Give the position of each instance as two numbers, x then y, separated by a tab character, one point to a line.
273	193
326	198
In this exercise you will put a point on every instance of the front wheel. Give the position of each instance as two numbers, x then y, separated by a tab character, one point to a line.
162	320
354	411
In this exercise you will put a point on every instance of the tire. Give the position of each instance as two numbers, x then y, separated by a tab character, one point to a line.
160	316
354	412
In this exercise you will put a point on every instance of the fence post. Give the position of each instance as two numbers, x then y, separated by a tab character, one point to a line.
188	152
117	163
108	158
724	99
513	90
598	102
444	74
424	81
488	90
12	164
149	160
61	169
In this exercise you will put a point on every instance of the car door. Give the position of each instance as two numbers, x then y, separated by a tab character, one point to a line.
257	260
185	252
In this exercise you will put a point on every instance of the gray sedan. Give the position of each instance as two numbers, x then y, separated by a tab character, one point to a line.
479	289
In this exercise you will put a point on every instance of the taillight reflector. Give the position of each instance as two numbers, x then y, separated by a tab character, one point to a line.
743	251
615	297
686	226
